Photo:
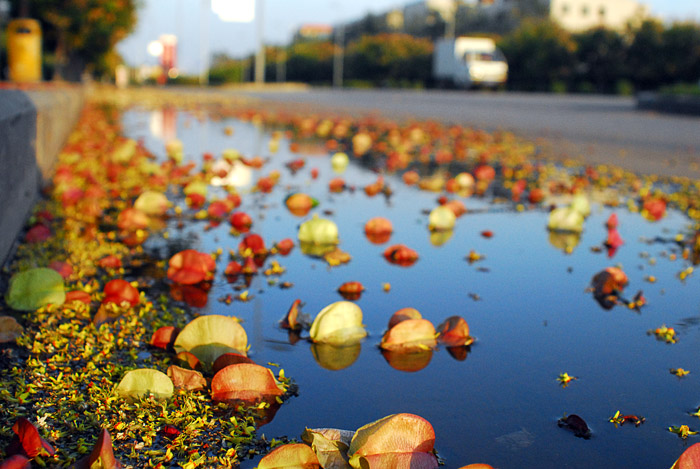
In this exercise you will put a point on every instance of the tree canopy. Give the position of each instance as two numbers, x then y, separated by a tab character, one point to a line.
83	33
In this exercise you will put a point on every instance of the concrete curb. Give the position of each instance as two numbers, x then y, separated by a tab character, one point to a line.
34	126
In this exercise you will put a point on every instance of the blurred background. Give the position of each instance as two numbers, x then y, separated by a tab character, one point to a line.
581	46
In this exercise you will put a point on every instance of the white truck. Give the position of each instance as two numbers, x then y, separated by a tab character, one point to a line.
469	62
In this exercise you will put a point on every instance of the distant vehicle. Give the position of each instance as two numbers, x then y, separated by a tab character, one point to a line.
469	62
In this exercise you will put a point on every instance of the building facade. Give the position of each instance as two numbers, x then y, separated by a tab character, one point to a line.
579	15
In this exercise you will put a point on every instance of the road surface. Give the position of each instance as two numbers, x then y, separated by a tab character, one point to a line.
596	129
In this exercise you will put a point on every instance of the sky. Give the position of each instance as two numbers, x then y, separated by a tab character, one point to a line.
195	27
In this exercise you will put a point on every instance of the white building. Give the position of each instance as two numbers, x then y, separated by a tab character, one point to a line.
579	15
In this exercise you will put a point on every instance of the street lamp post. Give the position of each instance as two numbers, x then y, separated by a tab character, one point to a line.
260	55
205	12
4	15
338	56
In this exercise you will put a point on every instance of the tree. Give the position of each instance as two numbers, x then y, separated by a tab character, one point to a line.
83	33
310	62
540	56
394	59
645	56
681	53
601	56
225	69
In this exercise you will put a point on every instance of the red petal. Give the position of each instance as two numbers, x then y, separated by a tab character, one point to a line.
244	382
110	262
63	268
254	242
297	455
16	461
77	295
164	337
454	332
241	221
131	219
233	268
230	358
290	320
402	315
285	246
37	234
401	255
690	459
118	291
31	443
189	267
102	452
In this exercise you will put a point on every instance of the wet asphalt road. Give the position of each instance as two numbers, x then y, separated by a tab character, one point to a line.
597	129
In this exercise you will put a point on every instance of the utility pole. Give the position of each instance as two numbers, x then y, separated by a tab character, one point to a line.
338	56
281	65
260	56
4	16
451	20
205	13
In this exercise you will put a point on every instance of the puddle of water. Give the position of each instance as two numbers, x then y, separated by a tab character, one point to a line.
532	320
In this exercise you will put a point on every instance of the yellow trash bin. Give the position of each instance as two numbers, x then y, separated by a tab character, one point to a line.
24	50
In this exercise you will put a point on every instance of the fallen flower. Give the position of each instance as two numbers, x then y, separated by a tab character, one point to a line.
683	431
619	419
337	257
454	332
27	441
564	379
189	267
680	372
351	288
400	254
119	291
667	334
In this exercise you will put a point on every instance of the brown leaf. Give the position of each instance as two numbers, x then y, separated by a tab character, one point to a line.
10	329
186	379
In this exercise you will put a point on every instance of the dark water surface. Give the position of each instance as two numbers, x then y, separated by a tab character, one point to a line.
532	321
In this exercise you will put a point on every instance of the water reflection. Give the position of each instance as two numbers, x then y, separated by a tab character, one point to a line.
408	362
438	238
564	241
194	295
535	277
333	357
459	353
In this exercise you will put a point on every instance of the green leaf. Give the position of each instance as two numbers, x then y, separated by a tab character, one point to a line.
144	381
35	288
